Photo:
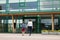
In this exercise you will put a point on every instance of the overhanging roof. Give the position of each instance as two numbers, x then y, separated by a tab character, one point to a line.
31	13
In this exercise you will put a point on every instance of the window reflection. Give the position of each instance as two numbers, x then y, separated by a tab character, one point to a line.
49	4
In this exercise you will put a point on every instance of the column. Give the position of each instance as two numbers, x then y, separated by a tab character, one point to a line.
6	21
7	6
38	8
59	21
38	24
13	22
52	16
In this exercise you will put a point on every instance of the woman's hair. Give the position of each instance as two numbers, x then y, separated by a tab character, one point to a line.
30	20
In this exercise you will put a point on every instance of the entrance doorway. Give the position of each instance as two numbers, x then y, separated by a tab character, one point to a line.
36	23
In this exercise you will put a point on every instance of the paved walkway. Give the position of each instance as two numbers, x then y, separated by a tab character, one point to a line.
27	37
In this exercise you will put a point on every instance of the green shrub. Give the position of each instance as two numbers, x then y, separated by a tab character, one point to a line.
44	30
58	30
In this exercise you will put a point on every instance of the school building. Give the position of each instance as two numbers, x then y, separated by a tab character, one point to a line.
45	15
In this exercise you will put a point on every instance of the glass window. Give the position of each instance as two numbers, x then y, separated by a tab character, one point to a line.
9	21
46	21
31	0
46	5
49	4
14	7
2	5
30	6
56	4
13	1
20	21
1	21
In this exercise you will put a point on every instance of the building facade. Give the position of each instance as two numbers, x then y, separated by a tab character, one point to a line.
45	15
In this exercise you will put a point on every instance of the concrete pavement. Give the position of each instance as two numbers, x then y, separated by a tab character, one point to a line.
8	36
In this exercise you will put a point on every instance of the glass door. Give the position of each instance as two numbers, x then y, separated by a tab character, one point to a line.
36	23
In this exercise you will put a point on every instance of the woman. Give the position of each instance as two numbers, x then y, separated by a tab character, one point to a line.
30	26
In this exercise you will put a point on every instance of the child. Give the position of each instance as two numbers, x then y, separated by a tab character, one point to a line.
23	28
